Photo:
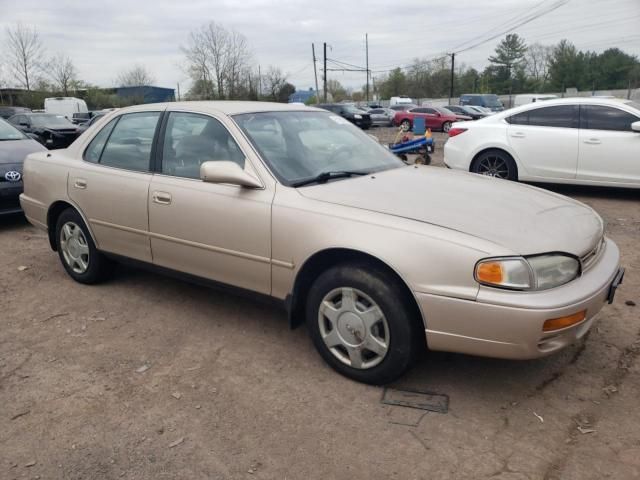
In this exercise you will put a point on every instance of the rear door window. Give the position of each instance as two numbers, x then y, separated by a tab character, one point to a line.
129	145
559	116
598	117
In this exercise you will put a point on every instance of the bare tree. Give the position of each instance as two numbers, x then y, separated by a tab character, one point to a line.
537	62
136	76
218	57
63	72
273	81
25	53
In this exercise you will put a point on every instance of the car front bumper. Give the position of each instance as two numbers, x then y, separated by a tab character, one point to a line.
508	324
9	197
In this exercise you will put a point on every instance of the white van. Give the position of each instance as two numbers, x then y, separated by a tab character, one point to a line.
65	106
530	98
401	100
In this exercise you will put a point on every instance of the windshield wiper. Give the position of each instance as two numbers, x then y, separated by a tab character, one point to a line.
326	176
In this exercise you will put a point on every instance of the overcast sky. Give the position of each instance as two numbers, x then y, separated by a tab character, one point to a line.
106	36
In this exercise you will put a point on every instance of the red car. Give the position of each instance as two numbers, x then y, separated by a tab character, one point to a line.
435	118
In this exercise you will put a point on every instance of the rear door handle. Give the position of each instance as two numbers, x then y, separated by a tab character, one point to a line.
162	198
80	183
518	135
593	141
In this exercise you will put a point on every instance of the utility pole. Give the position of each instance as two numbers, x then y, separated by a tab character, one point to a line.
259	83
325	72
366	41
315	72
178	91
453	64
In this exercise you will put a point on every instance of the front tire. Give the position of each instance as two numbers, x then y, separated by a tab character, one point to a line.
78	254
362	324
406	125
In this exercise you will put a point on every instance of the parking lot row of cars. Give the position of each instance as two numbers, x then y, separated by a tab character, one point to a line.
404	115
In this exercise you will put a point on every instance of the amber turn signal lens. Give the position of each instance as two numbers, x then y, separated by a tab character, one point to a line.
490	272
563	322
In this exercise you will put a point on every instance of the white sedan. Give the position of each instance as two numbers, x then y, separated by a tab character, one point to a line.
587	141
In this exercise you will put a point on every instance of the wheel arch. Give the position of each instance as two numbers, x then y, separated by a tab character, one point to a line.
54	212
500	148
325	259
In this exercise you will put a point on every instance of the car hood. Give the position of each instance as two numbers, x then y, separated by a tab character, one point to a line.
521	218
14	151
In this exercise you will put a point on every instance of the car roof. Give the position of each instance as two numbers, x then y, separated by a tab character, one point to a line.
227	107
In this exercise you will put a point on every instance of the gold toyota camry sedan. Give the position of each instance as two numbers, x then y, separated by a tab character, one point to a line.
379	258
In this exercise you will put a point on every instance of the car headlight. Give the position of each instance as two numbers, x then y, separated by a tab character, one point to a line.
357	117
538	272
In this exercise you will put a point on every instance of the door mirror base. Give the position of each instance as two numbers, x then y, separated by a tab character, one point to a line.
227	172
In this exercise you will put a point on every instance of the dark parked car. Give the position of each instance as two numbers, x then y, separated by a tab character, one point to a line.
14	147
7	112
468	111
349	112
487	100
52	131
83	117
83	126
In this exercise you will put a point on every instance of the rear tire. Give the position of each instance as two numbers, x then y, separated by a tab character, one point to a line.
78	254
446	126
495	163
361	322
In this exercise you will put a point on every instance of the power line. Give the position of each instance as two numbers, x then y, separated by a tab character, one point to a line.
524	21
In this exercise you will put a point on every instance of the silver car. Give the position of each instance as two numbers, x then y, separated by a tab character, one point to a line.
381	117
380	259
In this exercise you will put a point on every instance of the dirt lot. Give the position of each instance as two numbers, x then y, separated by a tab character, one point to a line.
147	377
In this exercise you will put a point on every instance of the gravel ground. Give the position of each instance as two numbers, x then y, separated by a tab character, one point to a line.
147	377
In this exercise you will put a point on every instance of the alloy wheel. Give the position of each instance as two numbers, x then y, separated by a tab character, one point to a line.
493	166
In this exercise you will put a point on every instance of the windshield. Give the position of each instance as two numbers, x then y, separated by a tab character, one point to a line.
51	121
491	101
302	145
7	132
352	109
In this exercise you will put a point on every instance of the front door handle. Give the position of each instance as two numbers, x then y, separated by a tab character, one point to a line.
593	141
518	135
80	183
162	198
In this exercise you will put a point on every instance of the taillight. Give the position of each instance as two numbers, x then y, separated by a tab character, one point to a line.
456	131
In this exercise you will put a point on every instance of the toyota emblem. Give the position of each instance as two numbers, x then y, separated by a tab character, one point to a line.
12	176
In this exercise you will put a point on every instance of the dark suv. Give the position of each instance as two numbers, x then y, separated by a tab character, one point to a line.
349	112
487	100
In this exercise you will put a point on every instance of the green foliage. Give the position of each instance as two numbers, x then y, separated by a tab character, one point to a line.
311	101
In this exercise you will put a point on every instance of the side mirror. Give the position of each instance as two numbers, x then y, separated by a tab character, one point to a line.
635	126
227	172
24	124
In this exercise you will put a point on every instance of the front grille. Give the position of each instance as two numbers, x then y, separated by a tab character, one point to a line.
589	258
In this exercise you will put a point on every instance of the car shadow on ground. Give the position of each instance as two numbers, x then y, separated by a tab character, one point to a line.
459	376
14	221
585	191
